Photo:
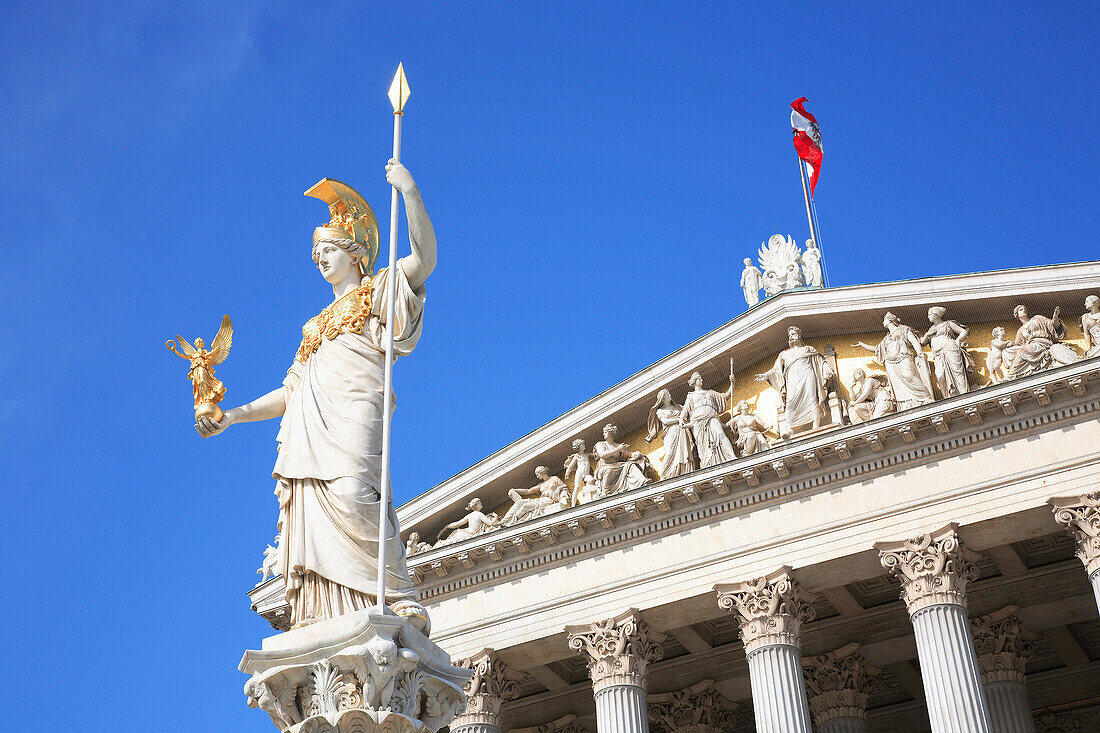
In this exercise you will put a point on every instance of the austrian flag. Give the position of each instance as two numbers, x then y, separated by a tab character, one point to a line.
807	139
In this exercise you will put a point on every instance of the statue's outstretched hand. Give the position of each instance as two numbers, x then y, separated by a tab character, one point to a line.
399	177
207	427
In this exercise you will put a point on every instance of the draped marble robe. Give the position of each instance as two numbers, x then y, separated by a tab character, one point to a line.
702	408
1038	346
800	376
329	466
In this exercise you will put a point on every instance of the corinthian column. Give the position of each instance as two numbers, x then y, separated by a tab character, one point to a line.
771	611
839	684
696	709
1003	647
934	570
619	651
1081	516
492	685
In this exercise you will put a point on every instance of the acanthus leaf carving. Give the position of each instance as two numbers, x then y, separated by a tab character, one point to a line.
618	650
1003	646
696	709
933	568
1080	515
492	684
771	609
839	683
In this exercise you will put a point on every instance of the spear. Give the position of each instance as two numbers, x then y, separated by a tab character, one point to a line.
398	94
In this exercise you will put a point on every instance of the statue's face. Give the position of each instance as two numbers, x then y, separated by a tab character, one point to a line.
542	474
793	337
477	505
334	263
198	343
1021	312
1092	303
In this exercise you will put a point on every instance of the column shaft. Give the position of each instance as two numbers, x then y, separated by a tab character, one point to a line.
621	709
1009	710
844	725
1095	580
778	691
949	668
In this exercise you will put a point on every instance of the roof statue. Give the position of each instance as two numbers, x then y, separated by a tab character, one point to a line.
784	266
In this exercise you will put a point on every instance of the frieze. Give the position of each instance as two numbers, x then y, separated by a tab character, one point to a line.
797	459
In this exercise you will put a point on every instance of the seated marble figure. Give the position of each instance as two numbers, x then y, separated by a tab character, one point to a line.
550	495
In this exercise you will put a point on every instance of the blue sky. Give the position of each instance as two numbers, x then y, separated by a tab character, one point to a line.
595	174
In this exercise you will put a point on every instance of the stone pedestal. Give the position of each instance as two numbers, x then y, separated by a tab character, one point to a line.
839	684
771	611
1081	516
1004	646
619	651
362	672
934	570
491	685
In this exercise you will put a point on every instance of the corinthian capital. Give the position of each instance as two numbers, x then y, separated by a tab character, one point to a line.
839	683
618	650
1003	646
1081	516
771	609
696	709
933	568
492	684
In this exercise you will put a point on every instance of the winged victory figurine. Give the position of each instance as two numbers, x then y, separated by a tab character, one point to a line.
208	389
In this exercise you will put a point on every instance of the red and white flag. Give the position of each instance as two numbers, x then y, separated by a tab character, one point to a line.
807	139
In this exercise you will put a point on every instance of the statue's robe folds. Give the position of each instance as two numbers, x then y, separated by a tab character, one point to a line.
329	465
800	376
1037	347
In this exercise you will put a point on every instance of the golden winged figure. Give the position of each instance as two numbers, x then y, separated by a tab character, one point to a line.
208	389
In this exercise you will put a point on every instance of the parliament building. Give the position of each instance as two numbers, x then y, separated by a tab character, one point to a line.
860	508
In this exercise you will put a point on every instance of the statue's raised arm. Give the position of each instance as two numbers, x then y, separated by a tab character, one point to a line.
420	263
331	403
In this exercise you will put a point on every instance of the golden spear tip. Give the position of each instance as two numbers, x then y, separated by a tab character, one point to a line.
399	90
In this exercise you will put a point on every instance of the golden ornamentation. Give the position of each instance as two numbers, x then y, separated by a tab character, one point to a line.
346	314
350	216
207	388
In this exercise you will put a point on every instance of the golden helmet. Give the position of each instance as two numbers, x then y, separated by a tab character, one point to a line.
350	217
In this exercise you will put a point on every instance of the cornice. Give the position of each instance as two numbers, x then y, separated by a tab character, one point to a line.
743	339
848	454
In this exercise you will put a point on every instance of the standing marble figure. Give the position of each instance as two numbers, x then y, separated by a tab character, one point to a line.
702	408
1090	326
901	355
801	376
751	282
664	421
329	462
948	340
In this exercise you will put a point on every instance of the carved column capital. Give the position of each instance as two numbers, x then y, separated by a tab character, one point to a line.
771	609
492	684
1081	516
933	568
619	650
565	724
1003	646
696	709
839	683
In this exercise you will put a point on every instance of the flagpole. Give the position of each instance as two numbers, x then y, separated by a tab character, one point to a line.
398	94
817	240
806	194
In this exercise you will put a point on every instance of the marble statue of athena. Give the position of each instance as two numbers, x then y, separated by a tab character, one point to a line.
330	439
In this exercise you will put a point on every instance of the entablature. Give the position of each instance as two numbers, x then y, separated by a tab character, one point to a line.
825	461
